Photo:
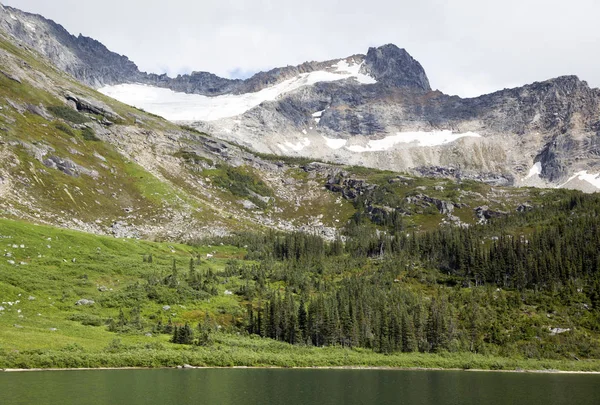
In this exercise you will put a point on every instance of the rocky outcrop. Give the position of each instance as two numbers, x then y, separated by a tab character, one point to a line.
68	167
484	213
84	58
92	106
443	206
393	66
493	179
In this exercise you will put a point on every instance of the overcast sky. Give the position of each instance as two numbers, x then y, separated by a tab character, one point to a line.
467	47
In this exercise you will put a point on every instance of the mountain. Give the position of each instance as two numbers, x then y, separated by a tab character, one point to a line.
71	157
375	110
75	158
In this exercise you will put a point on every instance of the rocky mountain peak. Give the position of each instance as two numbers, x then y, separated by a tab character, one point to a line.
85	58
394	66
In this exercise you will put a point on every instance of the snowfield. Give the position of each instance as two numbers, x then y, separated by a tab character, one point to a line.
434	138
535	170
422	139
176	106
593	179
335	143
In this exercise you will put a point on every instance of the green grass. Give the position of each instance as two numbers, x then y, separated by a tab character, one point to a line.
57	282
88	134
68	114
230	351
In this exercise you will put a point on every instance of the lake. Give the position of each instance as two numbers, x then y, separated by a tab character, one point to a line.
291	387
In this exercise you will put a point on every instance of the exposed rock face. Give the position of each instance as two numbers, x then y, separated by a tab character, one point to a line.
84	58
92	106
555	123
484	213
393	66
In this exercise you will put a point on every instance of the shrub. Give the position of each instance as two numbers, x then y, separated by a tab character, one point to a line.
241	182
89	134
192	158
68	114
64	128
87	319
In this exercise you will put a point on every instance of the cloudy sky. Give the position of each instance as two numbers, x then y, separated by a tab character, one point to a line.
467	47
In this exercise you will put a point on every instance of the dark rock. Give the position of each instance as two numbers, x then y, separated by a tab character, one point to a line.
484	213
11	76
66	166
444	207
524	207
393	66
93	106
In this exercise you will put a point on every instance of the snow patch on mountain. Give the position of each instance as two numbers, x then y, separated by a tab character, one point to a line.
354	71
317	116
434	138
335	143
593	179
176	106
535	170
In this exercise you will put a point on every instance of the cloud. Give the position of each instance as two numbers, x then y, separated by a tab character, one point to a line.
466	46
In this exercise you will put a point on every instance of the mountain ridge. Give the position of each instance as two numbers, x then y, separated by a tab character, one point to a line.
120	69
379	107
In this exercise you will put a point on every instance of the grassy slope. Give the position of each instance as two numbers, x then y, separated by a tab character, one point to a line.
57	282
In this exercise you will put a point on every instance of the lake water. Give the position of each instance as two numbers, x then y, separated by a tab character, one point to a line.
291	387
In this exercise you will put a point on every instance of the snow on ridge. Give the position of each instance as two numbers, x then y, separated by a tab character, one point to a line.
176	106
535	170
335	143
434	138
593	179
344	67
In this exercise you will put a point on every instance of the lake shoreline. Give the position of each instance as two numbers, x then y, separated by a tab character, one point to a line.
364	368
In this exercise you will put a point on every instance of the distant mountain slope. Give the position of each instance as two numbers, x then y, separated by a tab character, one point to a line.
72	157
376	110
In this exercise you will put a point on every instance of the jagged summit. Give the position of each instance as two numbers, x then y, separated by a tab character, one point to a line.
84	58
394	66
